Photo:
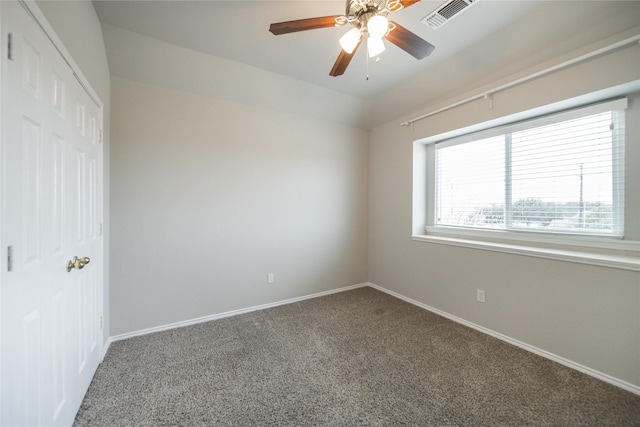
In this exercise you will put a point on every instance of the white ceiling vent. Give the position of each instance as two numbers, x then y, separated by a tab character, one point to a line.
446	12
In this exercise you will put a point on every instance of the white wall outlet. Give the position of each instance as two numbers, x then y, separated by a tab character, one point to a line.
480	295
270	278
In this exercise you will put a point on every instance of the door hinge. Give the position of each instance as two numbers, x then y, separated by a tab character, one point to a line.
100	322
101	229
100	140
9	258
9	47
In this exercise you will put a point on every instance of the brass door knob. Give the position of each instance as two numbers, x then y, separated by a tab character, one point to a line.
78	263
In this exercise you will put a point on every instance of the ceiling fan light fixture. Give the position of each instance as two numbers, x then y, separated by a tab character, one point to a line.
368	19
377	26
375	46
350	40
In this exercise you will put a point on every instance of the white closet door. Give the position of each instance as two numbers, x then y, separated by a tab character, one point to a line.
51	156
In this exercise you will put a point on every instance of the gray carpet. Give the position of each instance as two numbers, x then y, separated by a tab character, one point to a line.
355	358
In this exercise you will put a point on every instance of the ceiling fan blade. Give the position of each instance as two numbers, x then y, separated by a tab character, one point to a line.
343	61
302	25
409	42
407	3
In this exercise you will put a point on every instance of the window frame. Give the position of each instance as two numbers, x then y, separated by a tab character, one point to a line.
610	251
616	106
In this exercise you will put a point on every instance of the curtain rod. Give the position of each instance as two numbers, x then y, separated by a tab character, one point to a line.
489	93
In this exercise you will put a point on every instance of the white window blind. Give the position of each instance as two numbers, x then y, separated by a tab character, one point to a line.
562	173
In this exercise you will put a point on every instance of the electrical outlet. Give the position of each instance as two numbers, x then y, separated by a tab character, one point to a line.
480	295
270	278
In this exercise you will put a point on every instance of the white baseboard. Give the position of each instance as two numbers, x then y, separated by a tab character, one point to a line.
229	313
561	360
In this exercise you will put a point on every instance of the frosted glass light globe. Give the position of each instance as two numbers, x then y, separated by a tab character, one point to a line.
350	40
375	46
377	26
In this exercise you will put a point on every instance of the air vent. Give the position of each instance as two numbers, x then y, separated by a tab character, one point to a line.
446	12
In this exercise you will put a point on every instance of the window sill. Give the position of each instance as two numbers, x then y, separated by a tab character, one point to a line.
623	261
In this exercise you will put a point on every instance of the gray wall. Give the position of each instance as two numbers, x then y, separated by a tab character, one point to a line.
209	195
77	26
589	315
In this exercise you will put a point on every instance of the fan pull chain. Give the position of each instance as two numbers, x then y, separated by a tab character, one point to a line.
367	67
367	59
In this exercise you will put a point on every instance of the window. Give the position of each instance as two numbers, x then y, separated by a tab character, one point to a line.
559	174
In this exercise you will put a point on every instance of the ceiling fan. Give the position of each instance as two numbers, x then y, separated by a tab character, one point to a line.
368	18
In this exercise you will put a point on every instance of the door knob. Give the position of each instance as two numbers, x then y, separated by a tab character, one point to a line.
78	263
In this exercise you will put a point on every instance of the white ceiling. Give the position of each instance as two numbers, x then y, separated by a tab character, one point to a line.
238	30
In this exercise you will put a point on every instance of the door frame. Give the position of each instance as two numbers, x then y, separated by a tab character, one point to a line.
34	11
